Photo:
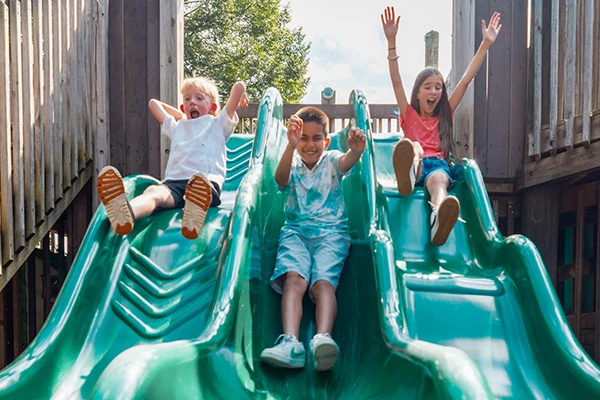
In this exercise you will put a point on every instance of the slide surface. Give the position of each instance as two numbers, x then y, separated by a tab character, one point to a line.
154	316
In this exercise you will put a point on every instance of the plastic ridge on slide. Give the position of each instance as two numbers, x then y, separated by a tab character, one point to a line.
155	316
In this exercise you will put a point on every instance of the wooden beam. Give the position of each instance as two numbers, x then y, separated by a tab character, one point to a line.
571	54
49	100
43	229
535	143
578	282
562	165
39	90
587	71
6	205
552	139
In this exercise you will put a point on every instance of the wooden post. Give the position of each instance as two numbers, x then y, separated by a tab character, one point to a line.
553	140
171	62
463	47
328	96
535	145
587	72
432	48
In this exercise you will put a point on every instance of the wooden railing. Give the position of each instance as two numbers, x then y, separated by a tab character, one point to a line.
565	76
384	117
53	115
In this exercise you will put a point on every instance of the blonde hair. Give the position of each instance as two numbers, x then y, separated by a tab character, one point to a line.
206	86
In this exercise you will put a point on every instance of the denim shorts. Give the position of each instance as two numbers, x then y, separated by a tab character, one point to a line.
314	259
434	164
177	189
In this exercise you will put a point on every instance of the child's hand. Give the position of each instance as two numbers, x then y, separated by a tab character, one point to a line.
490	33
390	23
294	130
244	101
357	141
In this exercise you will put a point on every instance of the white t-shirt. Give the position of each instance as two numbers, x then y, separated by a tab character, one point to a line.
198	145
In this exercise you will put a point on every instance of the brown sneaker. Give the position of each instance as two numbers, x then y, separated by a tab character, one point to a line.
112	194
443	220
198	196
404	166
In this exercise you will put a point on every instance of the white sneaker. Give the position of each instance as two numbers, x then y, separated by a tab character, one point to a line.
112	194
443	219
404	166
325	351
198	196
288	352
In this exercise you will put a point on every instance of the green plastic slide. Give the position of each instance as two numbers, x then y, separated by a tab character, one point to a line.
155	316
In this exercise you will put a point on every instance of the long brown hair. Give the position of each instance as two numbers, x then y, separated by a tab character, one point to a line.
442	110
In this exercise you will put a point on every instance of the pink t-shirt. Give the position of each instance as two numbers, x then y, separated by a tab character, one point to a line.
423	130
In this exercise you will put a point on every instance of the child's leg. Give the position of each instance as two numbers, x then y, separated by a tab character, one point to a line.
323	293
407	164
445	209
294	288
154	196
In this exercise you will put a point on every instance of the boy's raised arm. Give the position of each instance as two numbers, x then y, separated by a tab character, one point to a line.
282	173
489	33
357	142
390	29
237	98
161	110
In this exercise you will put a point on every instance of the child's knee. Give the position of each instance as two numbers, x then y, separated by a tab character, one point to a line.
295	282
437	180
322	287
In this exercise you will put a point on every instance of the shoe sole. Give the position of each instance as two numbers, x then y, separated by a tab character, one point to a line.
278	362
325	356
447	217
112	194
403	158
198	196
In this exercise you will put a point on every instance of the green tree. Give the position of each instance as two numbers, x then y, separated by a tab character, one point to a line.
229	40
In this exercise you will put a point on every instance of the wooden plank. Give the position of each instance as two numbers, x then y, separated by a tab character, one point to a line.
3	322
587	71
540	222
578	284
510	217
570	83
81	78
39	90
562	60
535	144
16	116
153	87
48	127
59	98
69	93
136	98
43	229
596	63
463	46
46	282
552	142
171	41
31	299
597	295
75	87
480	92
101	107
562	165
518	87
117	111
15	315
6	204
28	117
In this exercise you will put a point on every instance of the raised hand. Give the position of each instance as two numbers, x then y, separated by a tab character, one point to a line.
491	31
244	101
390	23
294	130
357	141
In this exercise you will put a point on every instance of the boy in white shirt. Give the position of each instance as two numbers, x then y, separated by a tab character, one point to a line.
195	171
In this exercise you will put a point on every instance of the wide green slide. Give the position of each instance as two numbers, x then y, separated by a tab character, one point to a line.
155	316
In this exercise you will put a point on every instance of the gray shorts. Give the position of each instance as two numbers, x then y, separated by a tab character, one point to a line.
314	259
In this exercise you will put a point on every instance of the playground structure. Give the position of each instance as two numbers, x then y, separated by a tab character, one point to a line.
496	280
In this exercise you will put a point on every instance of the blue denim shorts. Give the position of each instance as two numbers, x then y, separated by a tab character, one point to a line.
314	259
433	164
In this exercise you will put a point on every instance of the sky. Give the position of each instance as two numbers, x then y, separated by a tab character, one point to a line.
349	48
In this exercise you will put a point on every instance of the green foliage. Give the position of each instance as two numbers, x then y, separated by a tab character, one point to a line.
249	40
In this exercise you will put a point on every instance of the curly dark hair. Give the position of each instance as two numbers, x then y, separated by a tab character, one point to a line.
313	114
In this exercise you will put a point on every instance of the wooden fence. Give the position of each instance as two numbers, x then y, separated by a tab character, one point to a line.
53	105
565	76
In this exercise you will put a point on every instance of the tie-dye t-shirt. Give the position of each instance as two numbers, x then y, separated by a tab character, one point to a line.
315	200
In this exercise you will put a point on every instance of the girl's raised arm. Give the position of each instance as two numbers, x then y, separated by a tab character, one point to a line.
489	34
390	28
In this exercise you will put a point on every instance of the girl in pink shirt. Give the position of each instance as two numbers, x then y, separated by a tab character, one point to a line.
422	154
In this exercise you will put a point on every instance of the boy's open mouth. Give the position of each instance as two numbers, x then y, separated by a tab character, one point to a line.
194	114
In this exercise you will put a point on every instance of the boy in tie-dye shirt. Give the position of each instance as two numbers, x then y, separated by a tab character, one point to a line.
314	241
